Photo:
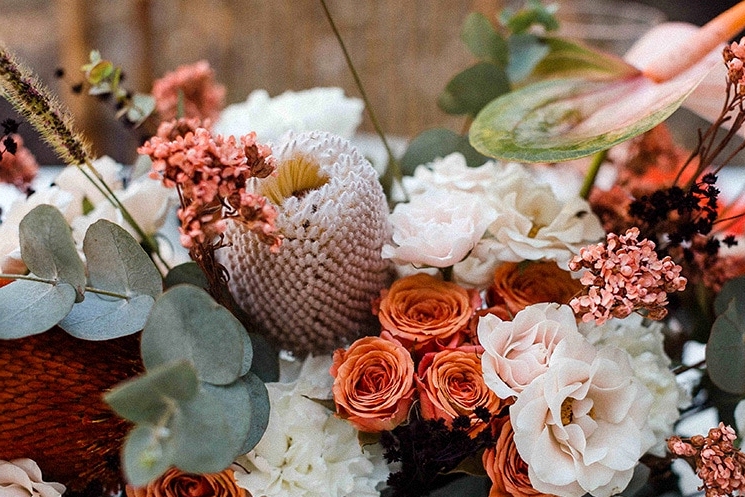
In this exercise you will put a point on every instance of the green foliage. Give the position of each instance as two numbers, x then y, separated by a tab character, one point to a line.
483	41
198	406
725	350
470	90
533	14
122	281
438	142
188	272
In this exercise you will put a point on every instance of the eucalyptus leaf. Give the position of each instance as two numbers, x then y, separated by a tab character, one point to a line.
483	40
259	411
470	90
525	52
154	397
725	351
146	454
188	272
248	353
186	323
101	318
564	119
235	404
265	359
437	143
31	307
733	289
48	249
117	263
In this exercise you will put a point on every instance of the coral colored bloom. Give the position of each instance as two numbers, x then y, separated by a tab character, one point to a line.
176	483
451	384
506	469
422	311
195	85
373	384
20	167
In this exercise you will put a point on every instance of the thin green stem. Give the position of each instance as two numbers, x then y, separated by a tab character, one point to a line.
393	171
90	289
592	174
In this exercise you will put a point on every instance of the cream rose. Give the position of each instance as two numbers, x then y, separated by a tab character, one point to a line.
373	384
438	229
582	425
22	477
519	351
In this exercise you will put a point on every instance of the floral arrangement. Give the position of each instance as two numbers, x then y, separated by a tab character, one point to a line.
256	309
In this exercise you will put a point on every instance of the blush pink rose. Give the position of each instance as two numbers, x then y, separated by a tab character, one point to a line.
373	384
451	384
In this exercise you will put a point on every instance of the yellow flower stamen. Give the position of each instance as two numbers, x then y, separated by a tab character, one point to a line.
295	177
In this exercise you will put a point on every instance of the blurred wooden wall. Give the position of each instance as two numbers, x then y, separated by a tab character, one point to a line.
405	52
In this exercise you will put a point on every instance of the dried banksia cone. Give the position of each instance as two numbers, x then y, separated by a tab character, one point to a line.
52	411
315	294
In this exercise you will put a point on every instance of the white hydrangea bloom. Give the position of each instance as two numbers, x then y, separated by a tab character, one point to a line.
323	109
315	294
644	343
306	451
72	180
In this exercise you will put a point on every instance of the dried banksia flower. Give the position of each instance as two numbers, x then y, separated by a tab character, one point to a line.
44	112
314	294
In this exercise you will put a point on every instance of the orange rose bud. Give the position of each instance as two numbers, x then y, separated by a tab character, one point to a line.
451	384
424	312
176	483
373	384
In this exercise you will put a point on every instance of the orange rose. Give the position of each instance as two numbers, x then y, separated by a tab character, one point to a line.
451	384
373	384
506	469
176	483
421	309
518	285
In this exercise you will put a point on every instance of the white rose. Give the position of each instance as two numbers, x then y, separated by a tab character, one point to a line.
582	426
517	352
533	224
438	229
73	181
22	477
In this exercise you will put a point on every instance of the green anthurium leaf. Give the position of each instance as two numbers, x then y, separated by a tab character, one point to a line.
188	272
103	318
483	41
437	143
733	289
154	397
236	406
202	435
725	351
146	454
259	411
470	90
31	307
569	59
526	51
265	359
566	119
48	249
186	323
117	263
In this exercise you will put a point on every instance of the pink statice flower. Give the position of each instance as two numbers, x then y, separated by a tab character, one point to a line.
202	96
18	165
624	275
211	175
734	55
719	464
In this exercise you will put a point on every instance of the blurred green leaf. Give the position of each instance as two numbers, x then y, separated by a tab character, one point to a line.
265	360
146	454
188	272
470	90
569	59
31	307
186	323
154	396
534	13
103	318
437	143
725	351
733	289
483	41
259	411
48	249
526	51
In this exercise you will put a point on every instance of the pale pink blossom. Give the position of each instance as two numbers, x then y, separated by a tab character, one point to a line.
195	86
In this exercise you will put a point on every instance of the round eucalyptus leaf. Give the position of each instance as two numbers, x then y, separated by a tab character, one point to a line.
235	404
725	351
436	143
117	263
146	454
265	361
470	90
259	411
188	272
48	249
156	395
99	318
248	353
483	41
733	289
31	307
186	323
202	436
